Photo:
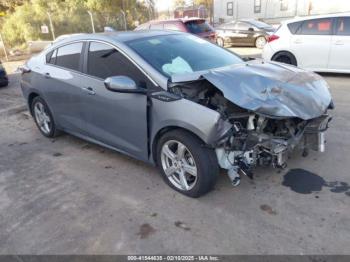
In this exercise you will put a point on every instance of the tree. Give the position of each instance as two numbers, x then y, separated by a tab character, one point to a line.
179	3
10	5
68	16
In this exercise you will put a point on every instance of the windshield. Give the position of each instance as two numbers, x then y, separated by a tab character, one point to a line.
198	26
181	54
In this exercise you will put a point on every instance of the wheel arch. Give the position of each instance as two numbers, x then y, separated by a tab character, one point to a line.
31	97
284	51
165	130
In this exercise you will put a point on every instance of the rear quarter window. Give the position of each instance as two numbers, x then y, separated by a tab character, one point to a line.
294	27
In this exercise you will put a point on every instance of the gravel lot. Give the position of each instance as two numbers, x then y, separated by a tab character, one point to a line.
67	196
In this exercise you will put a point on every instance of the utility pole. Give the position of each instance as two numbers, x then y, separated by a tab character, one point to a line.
92	21
124	19
296	7
51	26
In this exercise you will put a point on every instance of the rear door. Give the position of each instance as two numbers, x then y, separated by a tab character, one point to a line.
61	81
239	33
116	119
311	43
339	58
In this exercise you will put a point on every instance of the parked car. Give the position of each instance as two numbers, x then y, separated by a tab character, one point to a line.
318	43
4	81
243	33
196	26
177	101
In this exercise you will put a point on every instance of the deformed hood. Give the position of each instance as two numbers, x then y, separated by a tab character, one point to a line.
271	89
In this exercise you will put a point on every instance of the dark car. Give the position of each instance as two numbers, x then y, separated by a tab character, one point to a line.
196	26
3	76
243	33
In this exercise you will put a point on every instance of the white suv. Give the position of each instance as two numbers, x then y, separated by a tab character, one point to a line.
317	43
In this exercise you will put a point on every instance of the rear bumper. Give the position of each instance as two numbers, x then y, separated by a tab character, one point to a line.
268	52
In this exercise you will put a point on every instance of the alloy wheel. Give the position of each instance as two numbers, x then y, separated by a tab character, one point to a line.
260	42
42	118
179	165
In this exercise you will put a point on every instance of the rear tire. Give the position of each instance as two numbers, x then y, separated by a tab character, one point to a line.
285	57
260	42
187	153
220	41
43	118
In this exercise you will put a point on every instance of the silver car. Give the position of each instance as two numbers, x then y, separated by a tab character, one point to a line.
178	102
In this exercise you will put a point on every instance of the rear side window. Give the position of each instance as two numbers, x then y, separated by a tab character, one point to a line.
317	27
343	26
294	28
198	26
68	56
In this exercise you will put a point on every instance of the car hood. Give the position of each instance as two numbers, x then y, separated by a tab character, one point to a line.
271	89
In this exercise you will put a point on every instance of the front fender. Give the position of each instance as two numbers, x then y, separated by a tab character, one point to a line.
199	120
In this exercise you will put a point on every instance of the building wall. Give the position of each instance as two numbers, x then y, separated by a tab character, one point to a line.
271	9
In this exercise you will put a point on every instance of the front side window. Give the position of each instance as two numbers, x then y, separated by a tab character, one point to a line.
181	54
230	8
257	6
105	61
317	27
68	56
343	26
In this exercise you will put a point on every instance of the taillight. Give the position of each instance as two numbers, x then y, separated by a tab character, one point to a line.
272	38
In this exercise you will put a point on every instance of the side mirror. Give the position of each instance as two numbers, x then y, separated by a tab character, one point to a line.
251	29
122	84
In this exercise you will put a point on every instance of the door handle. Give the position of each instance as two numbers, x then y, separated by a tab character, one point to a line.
89	90
47	75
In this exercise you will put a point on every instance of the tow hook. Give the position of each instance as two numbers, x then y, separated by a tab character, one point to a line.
234	176
235	171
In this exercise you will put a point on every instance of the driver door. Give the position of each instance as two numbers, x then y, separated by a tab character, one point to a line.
116	119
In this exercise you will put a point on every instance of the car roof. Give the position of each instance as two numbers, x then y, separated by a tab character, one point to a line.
117	36
183	20
303	18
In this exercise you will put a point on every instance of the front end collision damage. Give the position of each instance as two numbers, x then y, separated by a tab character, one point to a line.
266	111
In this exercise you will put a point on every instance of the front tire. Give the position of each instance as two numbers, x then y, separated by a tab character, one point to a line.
186	165
43	118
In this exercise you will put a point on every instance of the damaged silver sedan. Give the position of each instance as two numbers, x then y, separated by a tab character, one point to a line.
177	101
